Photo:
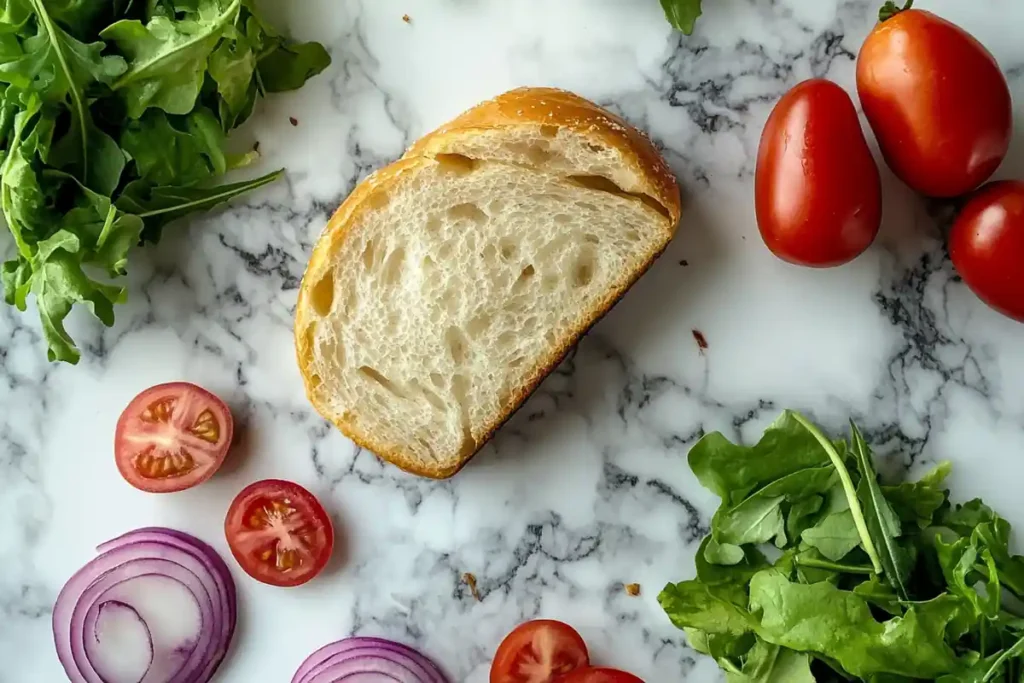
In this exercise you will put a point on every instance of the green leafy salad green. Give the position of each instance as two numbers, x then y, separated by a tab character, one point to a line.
113	121
682	13
816	571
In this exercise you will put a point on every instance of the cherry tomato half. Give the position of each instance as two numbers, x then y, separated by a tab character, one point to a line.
817	190
987	246
937	101
538	652
172	437
599	675
279	533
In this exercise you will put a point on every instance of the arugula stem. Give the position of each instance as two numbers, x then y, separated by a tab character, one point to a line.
107	225
134	73
76	96
1007	654
834	566
213	199
848	488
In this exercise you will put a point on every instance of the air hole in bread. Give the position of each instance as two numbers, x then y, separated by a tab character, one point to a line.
508	249
525	276
632	236
321	295
369	255
549	283
458	164
602	184
432	398
376	377
562	219
460	390
549	131
437	380
583	274
478	325
457	344
428	264
506	339
433	224
314	382
392	272
535	154
595	148
469	211
489	253
516	362
591	238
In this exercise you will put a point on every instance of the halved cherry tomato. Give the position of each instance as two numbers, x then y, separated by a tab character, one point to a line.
538	652
279	532
817	191
599	675
937	101
987	246
172	437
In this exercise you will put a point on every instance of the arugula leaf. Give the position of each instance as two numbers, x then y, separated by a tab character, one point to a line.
710	609
732	471
168	58
682	14
232	66
964	566
159	205
823	618
917	502
176	150
759	518
882	523
834	536
289	66
766	663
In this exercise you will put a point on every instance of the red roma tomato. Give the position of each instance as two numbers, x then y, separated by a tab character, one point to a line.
538	652
937	101
599	675
279	533
172	437
987	246
817	189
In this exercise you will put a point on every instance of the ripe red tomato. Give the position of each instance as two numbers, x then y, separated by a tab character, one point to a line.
538	652
172	437
599	675
279	532
987	246
937	101
817	189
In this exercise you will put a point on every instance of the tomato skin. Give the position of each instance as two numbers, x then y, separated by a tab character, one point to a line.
172	437
987	246
538	651
817	190
285	521
599	675
937	102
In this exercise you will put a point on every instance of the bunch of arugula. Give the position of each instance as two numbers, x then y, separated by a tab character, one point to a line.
883	584
113	121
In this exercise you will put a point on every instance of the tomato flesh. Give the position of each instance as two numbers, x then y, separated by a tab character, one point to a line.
937	102
279	533
817	190
599	675
987	246
172	437
538	652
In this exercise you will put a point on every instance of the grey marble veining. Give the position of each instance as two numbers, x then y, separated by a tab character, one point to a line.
586	488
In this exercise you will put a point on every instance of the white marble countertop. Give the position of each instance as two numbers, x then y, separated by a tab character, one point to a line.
587	487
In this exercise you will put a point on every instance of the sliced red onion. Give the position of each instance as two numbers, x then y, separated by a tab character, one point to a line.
368	660
156	606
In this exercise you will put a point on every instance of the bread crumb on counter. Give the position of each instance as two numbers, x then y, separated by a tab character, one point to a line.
702	341
292	120
633	589
470	580
406	18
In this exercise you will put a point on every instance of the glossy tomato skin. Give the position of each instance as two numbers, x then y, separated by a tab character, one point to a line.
599	675
987	246
279	533
817	190
937	102
539	652
172	437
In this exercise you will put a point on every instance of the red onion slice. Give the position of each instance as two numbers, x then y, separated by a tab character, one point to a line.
156	606
368	660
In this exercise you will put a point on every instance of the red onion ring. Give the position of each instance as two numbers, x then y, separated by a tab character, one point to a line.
368	660
162	588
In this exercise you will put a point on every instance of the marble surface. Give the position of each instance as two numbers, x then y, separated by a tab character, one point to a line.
587	487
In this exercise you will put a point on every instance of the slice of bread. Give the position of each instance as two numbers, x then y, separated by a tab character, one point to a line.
450	283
